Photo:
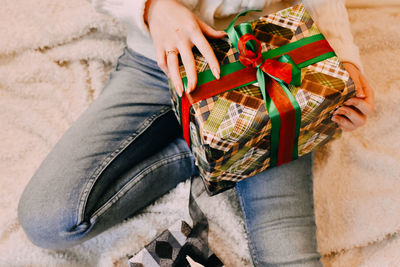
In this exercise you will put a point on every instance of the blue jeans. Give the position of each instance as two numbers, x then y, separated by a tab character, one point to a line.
126	150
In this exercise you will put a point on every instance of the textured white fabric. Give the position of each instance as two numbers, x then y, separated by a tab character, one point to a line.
330	15
56	56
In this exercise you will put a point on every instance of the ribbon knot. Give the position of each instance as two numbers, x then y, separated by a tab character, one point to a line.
250	56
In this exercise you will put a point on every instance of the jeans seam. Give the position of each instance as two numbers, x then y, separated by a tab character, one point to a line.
108	159
117	68
251	246
129	185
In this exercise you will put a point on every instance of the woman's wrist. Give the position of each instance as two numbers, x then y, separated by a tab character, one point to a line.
147	9
146	12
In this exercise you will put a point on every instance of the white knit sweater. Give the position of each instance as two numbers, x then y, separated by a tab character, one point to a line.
330	16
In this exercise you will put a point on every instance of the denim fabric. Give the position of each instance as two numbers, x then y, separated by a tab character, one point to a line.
278	210
126	150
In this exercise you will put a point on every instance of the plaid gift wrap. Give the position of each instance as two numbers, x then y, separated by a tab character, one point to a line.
280	84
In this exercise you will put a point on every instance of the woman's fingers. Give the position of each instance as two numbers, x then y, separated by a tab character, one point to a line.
210	31
360	104
364	105
180	28
173	69
356	118
190	66
355	74
359	88
205	49
356	109
162	60
344	123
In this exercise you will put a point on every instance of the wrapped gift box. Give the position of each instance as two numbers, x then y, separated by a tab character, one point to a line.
230	123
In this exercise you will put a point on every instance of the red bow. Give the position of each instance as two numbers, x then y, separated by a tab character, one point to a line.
253	58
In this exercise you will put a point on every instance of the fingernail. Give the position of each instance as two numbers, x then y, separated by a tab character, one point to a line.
215	71
189	87
360	94
179	90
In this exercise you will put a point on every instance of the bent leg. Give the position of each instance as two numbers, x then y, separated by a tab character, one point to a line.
122	153
278	210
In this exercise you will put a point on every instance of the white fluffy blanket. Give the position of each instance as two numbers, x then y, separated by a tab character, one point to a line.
55	56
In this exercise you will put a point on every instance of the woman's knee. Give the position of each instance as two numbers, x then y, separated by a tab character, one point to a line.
45	220
290	241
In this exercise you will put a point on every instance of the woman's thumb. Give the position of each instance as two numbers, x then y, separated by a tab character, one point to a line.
210	31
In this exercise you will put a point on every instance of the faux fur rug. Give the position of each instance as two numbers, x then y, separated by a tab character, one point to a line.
55	57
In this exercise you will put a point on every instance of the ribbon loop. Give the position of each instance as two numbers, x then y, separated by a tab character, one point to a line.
296	71
250	57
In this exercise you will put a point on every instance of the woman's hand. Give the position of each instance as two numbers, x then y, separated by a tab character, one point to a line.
356	109
175	29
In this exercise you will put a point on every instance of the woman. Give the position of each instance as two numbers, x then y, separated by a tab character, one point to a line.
110	163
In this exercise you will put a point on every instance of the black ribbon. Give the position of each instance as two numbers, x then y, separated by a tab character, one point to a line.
196	246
